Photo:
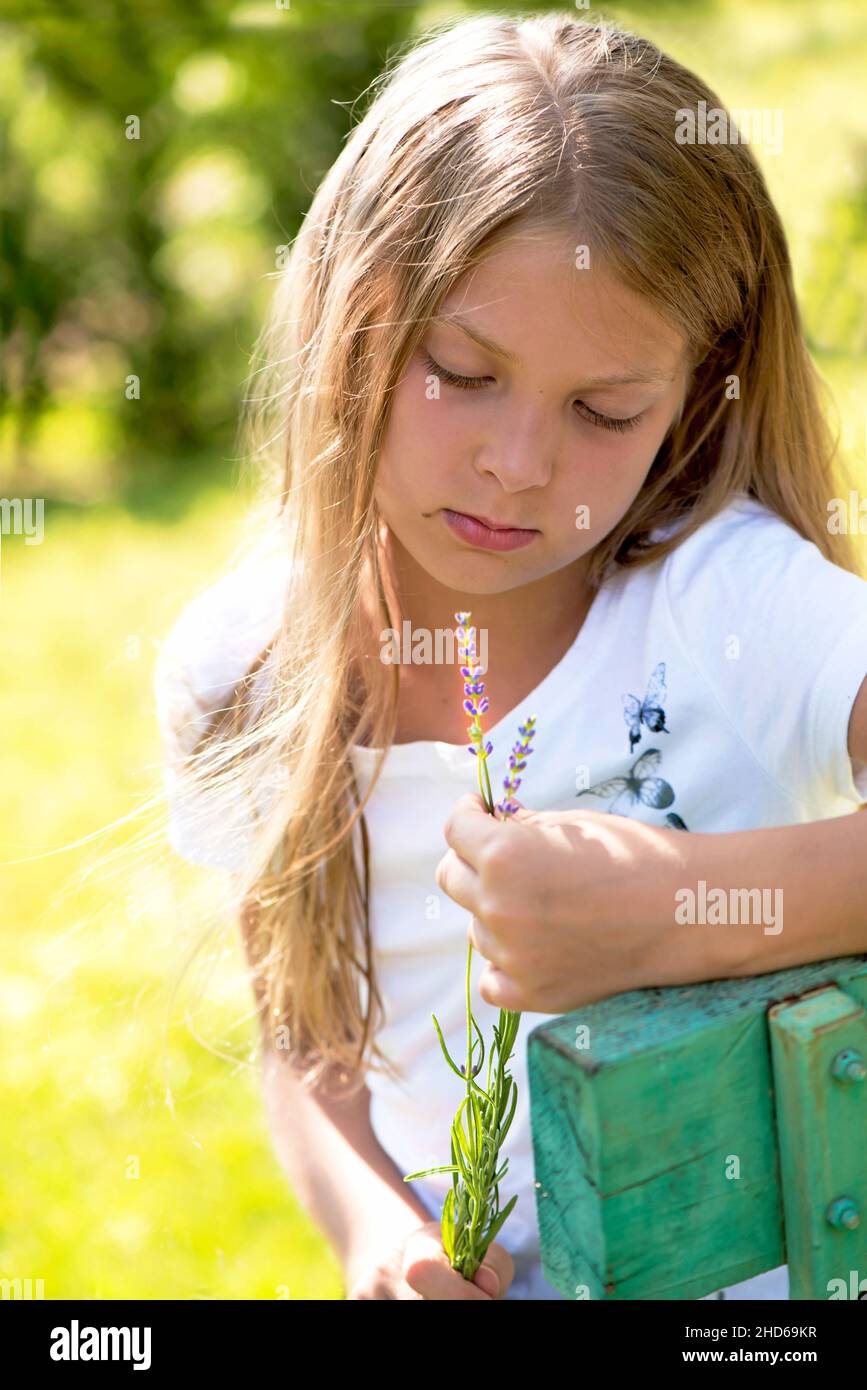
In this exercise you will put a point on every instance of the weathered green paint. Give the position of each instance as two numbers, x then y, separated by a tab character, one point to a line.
634	1135
822	1125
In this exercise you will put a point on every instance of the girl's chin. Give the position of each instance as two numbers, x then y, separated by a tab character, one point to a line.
477	573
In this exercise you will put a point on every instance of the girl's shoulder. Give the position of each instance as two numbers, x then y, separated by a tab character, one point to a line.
749	560
212	644
776	633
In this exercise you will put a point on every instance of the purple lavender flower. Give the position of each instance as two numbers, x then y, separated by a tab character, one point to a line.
517	762
476	701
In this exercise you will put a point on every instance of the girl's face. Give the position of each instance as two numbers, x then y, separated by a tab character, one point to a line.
550	425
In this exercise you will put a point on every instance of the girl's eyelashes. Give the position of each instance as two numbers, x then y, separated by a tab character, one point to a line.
607	422
475	383
465	383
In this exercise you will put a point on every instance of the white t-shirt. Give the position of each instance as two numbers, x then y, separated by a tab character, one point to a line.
748	641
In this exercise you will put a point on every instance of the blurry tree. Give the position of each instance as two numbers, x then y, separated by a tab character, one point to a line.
153	161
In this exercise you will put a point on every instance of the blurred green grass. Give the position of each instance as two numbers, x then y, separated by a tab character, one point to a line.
91	1085
94	1091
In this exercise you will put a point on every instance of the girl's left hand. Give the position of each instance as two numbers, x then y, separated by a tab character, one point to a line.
568	906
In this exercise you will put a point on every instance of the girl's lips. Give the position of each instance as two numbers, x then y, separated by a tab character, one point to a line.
475	532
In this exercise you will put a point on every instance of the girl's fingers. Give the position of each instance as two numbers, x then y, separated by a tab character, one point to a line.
486	944
488	1279
469	826
499	1264
458	879
498	989
426	1269
461	884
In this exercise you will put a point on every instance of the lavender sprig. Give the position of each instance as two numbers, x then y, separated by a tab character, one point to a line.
471	1216
517	762
476	703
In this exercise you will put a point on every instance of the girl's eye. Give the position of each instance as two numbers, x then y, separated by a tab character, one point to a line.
475	383
607	422
466	383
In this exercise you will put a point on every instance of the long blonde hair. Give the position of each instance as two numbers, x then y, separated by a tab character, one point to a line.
485	127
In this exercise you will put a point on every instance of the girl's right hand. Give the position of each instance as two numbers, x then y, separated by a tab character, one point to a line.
418	1267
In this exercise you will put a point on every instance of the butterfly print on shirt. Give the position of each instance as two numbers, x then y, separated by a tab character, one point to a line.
648	711
639	784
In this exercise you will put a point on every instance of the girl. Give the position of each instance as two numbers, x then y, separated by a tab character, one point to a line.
535	356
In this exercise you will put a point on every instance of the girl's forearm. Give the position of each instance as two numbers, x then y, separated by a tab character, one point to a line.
790	894
338	1170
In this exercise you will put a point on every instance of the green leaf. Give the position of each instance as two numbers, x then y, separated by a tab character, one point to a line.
463	1139
480	1128
448	1225
455	1068
497	1224
459	1158
507	1085
481	1044
425	1172
504	1127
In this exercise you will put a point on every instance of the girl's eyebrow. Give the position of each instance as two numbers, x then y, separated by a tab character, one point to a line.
454	320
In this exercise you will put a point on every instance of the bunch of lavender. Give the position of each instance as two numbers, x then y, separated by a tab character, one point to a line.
471	1216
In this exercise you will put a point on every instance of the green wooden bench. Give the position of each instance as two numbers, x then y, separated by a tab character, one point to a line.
689	1138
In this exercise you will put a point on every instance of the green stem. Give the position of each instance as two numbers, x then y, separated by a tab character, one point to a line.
469	1022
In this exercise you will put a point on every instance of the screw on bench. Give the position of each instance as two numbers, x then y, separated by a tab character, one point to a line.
849	1066
843	1213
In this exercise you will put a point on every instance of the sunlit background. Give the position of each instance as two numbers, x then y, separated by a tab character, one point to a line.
136	1161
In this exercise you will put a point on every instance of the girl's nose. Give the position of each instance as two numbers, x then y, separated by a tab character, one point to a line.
518	458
